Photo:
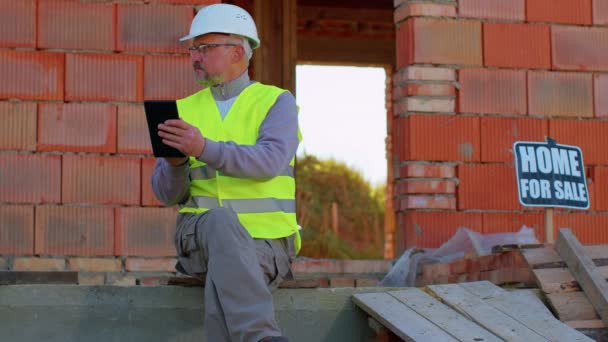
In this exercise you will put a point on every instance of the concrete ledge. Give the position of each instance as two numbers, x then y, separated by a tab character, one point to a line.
164	313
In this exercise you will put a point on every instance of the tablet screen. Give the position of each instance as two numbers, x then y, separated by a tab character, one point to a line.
157	112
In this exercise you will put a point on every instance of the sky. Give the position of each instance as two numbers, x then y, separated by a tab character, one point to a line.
343	116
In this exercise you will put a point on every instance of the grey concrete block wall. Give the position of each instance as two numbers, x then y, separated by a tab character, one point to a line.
62	313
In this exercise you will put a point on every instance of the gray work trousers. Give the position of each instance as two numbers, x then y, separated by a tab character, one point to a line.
239	274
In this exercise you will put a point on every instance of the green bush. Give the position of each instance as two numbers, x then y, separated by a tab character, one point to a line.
320	183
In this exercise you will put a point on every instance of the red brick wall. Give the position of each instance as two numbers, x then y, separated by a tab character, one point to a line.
473	76
75	160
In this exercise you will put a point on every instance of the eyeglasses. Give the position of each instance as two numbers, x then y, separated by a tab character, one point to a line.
204	48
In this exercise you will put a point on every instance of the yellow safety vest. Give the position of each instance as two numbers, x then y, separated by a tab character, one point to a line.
266	207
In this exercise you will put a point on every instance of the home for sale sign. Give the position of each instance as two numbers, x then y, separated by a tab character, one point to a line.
550	175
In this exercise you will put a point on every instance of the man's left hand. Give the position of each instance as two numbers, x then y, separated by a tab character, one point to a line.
182	136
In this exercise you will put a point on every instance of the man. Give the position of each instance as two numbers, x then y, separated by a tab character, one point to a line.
236	227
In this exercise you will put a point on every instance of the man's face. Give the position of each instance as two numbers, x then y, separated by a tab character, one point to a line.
212	61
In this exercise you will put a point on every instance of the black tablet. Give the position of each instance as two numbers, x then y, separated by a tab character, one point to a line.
158	112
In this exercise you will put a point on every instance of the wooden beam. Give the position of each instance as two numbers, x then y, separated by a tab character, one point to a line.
314	13
584	270
346	51
548	257
275	61
350	4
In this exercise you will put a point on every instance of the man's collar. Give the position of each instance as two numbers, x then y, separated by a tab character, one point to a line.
232	88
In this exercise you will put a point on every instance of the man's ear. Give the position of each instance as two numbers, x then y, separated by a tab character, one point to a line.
238	54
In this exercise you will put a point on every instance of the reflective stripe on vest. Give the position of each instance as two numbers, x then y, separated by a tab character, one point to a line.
207	172
202	172
244	206
265	206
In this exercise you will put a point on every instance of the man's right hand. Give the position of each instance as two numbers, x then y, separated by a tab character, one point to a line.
177	161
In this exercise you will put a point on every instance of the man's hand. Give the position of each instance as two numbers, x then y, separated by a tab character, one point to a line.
182	136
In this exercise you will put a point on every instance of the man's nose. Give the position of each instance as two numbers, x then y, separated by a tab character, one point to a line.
196	58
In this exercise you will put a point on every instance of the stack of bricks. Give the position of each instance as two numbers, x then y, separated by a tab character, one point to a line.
97	271
75	158
341	273
474	76
161	271
308	273
498	268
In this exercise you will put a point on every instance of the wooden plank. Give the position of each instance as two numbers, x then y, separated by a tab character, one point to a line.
562	264
548	257
538	319
442	316
529	296
590	324
584	270
596	251
400	319
564	294
535	256
532	297
484	314
572	306
483	289
554	280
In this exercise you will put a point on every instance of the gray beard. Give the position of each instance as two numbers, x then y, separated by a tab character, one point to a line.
210	81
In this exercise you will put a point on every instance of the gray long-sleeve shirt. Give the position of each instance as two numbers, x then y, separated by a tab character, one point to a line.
276	145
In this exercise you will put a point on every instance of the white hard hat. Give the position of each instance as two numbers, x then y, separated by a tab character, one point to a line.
224	18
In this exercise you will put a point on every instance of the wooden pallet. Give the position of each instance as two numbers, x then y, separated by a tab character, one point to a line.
479	311
562	290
